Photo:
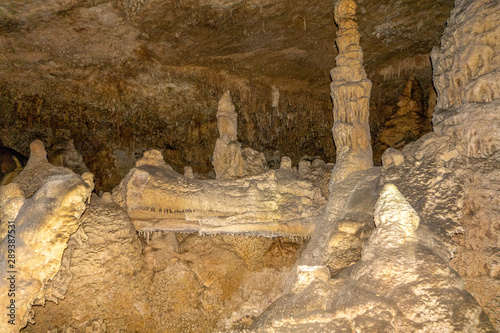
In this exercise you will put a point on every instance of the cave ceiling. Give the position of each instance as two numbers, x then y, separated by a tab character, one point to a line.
156	69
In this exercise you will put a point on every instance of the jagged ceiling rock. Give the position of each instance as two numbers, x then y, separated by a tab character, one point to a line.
148	74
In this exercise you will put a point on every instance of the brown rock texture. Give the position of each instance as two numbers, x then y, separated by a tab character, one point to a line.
137	75
350	92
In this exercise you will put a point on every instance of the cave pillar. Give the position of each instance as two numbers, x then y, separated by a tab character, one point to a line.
350	92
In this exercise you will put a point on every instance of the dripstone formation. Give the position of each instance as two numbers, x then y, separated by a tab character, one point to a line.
411	246
350	92
229	160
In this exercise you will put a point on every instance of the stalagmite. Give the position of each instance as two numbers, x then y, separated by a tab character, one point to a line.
350	92
229	160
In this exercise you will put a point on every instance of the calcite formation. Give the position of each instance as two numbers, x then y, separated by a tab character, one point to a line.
409	122
467	77
276	203
37	170
393	288
64	153
38	229
350	92
230	161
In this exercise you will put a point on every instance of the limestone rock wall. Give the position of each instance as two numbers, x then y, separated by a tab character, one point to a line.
409	122
350	92
467	75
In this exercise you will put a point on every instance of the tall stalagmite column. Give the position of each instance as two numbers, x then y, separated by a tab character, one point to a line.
350	91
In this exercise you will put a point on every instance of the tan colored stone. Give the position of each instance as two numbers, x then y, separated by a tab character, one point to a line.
467	75
286	163
276	203
350	92
394	287
230	161
42	229
392	156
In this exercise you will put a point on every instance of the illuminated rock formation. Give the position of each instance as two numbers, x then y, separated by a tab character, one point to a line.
350	92
276	203
467	77
37	233
229	160
467	80
394	287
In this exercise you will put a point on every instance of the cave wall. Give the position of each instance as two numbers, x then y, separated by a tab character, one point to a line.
133	75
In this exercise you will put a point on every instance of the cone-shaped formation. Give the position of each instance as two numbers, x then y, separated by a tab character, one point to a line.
229	160
227	118
350	91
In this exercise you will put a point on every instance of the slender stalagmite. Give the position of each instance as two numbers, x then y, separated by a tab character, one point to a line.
350	91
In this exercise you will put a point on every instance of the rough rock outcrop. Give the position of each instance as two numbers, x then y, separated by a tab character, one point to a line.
102	259
396	286
350	92
111	280
37	232
64	153
229	160
276	203
455	196
467	77
344	227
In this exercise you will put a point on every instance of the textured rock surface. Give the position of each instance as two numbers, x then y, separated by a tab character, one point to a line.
394	287
409	122
111	280
350	91
276	203
229	160
37	236
100	270
467	75
137	75
37	170
345	225
455	196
